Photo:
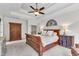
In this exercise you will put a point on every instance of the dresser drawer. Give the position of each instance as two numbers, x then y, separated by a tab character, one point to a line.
66	41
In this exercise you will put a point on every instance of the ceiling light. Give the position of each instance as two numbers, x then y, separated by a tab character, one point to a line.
36	13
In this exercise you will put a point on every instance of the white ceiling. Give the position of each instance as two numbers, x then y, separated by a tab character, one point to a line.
20	10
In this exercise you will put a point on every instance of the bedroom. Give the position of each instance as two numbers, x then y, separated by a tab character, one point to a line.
64	18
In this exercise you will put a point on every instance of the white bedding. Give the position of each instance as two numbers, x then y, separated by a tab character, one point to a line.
48	39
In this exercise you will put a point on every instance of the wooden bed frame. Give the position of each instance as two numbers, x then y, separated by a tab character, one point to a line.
36	44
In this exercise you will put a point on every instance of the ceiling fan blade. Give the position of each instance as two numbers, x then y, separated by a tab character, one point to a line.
41	13
31	12
41	8
32	7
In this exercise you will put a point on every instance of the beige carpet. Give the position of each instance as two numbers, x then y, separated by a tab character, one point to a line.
22	49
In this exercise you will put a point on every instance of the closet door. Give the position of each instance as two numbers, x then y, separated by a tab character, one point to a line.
15	31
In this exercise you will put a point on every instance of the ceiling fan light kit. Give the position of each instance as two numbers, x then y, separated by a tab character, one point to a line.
37	11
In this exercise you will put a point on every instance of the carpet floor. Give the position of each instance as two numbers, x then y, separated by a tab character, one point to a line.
22	49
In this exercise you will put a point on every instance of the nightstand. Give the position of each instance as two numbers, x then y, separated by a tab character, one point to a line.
66	41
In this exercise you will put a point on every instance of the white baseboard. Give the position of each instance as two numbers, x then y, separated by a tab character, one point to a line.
18	41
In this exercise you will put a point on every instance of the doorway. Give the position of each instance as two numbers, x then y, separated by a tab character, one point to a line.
33	29
15	31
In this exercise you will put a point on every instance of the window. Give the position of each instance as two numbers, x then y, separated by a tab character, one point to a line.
1	28
51	23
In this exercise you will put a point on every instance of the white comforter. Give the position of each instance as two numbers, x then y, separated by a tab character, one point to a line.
48	39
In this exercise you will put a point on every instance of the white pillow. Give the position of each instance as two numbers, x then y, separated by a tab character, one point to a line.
50	33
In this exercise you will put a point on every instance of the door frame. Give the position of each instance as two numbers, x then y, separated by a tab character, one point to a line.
10	30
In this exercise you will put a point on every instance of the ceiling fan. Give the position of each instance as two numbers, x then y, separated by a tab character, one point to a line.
37	10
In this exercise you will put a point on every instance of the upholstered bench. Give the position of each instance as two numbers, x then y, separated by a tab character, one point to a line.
77	45
75	51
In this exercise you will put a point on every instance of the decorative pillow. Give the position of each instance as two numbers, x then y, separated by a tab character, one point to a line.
44	33
50	33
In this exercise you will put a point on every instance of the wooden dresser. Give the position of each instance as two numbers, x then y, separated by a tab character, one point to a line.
66	41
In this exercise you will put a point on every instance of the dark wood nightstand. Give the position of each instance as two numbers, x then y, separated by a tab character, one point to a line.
66	41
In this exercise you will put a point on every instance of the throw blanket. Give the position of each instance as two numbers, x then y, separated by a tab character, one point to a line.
48	39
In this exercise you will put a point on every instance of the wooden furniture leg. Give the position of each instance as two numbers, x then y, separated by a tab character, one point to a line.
41	50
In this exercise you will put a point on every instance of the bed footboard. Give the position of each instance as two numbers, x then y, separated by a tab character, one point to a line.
35	43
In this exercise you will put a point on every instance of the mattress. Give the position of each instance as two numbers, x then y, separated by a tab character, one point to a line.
48	39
